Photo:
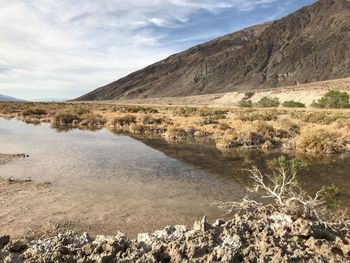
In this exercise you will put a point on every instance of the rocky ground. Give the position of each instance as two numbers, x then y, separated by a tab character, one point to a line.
250	237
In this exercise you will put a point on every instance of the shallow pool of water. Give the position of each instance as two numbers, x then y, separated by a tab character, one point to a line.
104	182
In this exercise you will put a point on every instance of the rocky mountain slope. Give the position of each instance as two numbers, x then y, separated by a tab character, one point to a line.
312	44
7	98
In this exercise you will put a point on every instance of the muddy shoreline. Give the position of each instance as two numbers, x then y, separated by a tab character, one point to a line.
36	205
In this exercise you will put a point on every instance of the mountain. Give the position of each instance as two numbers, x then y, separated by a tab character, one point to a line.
311	44
7	98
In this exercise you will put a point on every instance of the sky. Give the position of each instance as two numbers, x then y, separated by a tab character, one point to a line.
66	48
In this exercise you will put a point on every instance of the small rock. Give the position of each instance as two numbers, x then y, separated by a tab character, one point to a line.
18	246
202	225
4	240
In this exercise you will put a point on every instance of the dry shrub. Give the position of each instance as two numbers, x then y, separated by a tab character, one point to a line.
35	112
247	139
208	121
224	126
81	110
93	120
124	121
179	134
150	120
147	130
135	109
325	118
286	196
264	129
203	112
319	141
290	127
343	123
66	119
269	115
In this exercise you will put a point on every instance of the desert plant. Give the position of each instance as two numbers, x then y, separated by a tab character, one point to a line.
323	117
66	118
93	120
333	99
282	187
266	115
319	141
35	111
179	134
330	194
185	111
293	104
245	104
281	183
81	110
208	112
135	109
266	102
208	121
123	121
265	129
149	120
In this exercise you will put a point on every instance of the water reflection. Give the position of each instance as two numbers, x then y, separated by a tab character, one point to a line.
67	128
232	164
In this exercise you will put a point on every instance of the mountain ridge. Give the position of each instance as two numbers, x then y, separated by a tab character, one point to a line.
311	44
4	98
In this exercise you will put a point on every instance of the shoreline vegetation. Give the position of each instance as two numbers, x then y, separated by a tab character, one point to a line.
291	227
264	126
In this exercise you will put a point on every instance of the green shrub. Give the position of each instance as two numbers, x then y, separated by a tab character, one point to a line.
266	102
330	195
245	104
293	166
293	104
333	99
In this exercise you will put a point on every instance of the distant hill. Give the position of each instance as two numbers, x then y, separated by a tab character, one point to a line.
312	44
49	100
8	98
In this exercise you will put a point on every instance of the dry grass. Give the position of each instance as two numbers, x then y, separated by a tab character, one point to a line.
305	130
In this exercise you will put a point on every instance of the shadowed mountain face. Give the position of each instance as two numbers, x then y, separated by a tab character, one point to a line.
312	44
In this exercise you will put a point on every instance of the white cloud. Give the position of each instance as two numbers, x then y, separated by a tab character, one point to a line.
74	46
